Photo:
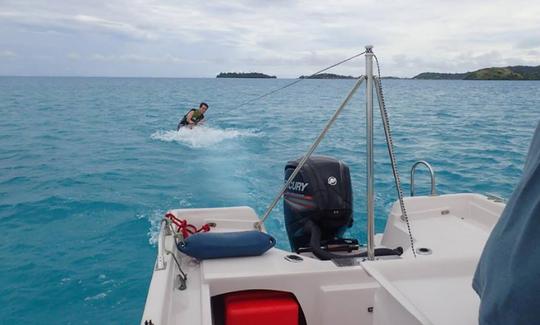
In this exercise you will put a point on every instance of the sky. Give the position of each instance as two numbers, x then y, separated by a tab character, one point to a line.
162	38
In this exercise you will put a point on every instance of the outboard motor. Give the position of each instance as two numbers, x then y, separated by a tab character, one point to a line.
318	206
321	195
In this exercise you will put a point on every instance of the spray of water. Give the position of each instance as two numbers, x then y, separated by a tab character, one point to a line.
201	136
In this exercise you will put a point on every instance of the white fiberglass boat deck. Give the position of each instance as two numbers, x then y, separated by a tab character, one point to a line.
433	288
432	246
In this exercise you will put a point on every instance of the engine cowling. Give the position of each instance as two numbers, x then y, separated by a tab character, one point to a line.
320	193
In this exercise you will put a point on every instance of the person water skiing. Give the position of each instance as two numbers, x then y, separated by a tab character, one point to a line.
193	117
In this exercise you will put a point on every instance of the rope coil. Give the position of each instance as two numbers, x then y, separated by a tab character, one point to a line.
185	228
169	219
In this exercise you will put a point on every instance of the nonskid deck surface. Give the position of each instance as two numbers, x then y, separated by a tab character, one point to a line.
453	227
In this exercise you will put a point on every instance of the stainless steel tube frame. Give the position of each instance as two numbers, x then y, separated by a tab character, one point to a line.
369	156
258	225
431	174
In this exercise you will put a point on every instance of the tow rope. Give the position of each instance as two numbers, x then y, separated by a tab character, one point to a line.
298	80
185	228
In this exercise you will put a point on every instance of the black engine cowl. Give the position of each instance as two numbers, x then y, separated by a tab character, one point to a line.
320	194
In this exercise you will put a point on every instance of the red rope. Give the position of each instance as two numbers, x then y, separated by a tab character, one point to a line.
185	228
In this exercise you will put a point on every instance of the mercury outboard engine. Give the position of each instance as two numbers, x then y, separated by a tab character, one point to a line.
318	206
321	194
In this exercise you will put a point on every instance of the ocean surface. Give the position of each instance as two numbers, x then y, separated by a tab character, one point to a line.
88	167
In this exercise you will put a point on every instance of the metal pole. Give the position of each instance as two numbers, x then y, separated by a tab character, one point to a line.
369	155
259	223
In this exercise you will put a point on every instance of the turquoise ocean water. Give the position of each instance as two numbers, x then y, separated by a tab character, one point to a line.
88	166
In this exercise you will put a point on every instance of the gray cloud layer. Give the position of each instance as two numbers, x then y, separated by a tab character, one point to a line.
286	38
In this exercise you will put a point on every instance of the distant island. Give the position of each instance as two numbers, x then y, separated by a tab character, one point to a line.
244	75
327	76
337	76
507	73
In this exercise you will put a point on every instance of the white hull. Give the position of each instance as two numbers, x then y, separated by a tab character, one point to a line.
428	289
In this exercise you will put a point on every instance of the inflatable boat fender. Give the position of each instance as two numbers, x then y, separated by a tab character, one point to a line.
226	244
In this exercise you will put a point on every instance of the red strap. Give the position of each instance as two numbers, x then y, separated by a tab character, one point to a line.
185	228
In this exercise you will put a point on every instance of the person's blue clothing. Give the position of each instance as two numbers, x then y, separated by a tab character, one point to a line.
507	277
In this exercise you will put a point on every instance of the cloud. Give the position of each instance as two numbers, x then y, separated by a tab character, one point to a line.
529	41
74	56
59	23
286	38
7	54
166	58
112	26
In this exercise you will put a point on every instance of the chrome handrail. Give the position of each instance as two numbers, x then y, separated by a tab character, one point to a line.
160	264
431	173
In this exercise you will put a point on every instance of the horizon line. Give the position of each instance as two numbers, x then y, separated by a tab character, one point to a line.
166	77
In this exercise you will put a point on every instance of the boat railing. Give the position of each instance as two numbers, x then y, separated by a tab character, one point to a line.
495	198
163	231
431	174
372	84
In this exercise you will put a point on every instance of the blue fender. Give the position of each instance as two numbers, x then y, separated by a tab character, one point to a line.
210	245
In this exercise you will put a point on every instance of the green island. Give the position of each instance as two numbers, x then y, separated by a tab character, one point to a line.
244	75
337	76
507	73
327	76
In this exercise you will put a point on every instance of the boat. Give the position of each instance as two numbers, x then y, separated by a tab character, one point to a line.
418	271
